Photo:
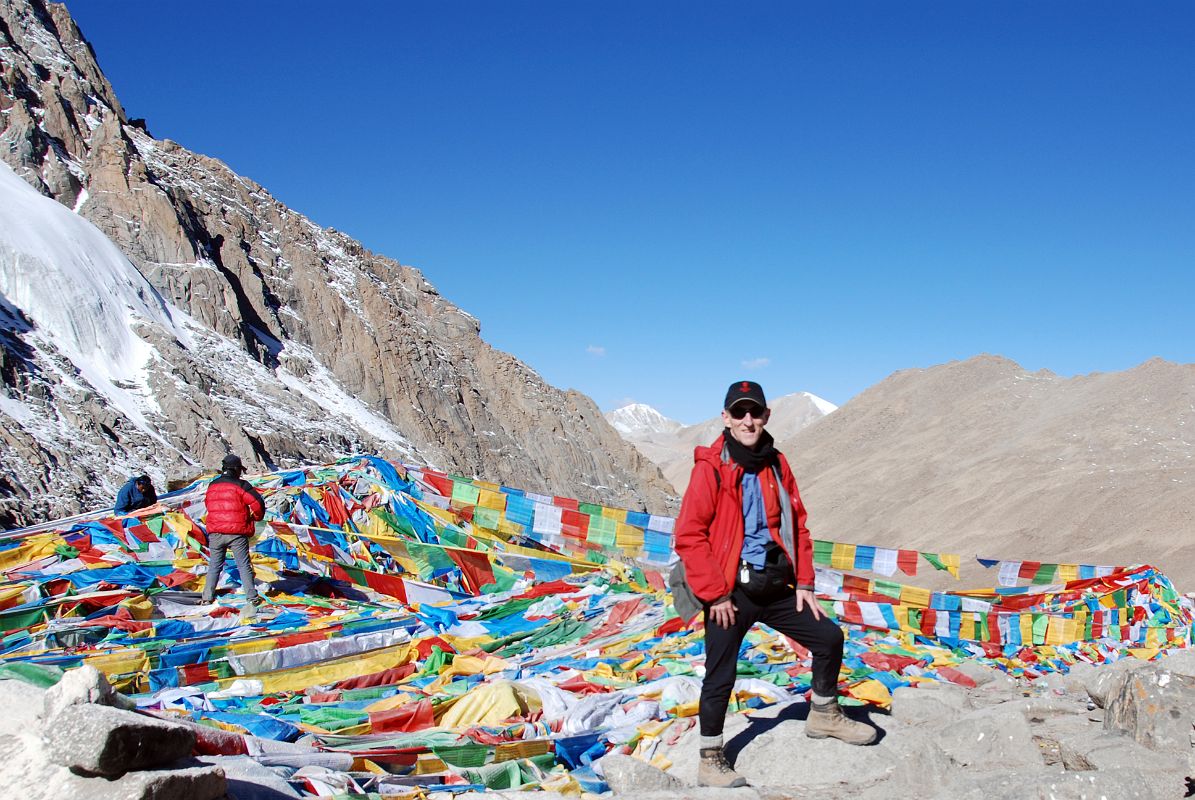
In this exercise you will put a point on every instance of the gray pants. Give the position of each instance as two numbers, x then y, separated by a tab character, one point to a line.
217	544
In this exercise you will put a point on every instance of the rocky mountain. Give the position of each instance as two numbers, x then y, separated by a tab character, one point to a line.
224	320
981	457
672	447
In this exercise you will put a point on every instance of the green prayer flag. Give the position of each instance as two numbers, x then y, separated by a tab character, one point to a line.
933	559
504	580
1045	573
41	676
488	518
394	522
465	755
1040	623
465	493
823	552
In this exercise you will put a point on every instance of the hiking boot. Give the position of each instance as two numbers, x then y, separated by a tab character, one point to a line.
829	721
715	770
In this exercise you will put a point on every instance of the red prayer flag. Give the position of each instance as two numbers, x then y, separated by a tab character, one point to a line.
907	561
409	718
475	566
386	584
574	523
1028	569
441	483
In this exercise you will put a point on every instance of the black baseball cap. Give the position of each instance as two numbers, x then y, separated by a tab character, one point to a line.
744	390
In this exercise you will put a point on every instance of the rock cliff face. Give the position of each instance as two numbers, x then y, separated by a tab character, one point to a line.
296	342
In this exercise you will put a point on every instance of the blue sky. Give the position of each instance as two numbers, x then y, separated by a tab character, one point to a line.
648	200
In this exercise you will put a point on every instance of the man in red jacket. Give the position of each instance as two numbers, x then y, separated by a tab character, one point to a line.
740	533
233	505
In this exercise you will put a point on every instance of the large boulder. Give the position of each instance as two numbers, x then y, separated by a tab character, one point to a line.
86	685
1113	753
100	740
1156	707
1042	783
997	737
630	776
27	772
1109	677
933	704
22	704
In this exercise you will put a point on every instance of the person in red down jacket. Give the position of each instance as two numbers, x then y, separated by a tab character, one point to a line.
740	533
233	505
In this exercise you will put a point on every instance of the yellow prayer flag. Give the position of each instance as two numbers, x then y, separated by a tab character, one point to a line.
914	596
873	692
494	500
842	556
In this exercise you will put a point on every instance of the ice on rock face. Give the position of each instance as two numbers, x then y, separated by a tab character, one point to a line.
68	278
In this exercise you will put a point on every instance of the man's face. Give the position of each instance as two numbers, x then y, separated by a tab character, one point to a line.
746	421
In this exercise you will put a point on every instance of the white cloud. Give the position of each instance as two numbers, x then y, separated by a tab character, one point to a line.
756	363
596	350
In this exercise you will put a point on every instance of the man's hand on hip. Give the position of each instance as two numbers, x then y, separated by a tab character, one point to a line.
722	613
806	598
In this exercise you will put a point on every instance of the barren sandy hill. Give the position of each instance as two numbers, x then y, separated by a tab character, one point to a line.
981	457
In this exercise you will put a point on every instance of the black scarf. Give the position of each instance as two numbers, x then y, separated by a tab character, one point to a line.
752	460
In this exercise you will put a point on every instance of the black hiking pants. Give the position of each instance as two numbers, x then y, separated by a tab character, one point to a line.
822	636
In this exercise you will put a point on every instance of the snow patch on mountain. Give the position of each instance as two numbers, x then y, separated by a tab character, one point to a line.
821	404
638	419
83	296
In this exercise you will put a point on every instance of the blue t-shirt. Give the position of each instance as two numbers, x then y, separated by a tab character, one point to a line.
756	537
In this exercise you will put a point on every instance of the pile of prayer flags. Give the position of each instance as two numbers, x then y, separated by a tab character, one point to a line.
426	631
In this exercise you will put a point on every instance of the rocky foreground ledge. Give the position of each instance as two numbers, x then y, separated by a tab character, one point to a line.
1123	730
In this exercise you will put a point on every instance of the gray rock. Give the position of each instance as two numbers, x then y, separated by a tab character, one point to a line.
982	674
183	782
630	776
26	772
22	704
108	741
1180	662
1154	706
998	737
929	704
784	756
1047	784
83	685
1108	677
1113	753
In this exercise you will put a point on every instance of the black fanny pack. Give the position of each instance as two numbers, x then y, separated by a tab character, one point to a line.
775	579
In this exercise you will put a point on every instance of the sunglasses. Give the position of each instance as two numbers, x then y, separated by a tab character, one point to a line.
738	412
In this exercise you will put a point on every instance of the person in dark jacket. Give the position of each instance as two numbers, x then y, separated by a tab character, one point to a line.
233	505
748	558
137	493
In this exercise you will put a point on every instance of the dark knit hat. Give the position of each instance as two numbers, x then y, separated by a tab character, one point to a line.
232	463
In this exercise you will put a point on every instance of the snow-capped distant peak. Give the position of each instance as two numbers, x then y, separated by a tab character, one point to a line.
824	406
638	419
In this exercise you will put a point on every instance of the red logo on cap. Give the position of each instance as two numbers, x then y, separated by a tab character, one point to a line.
744	387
